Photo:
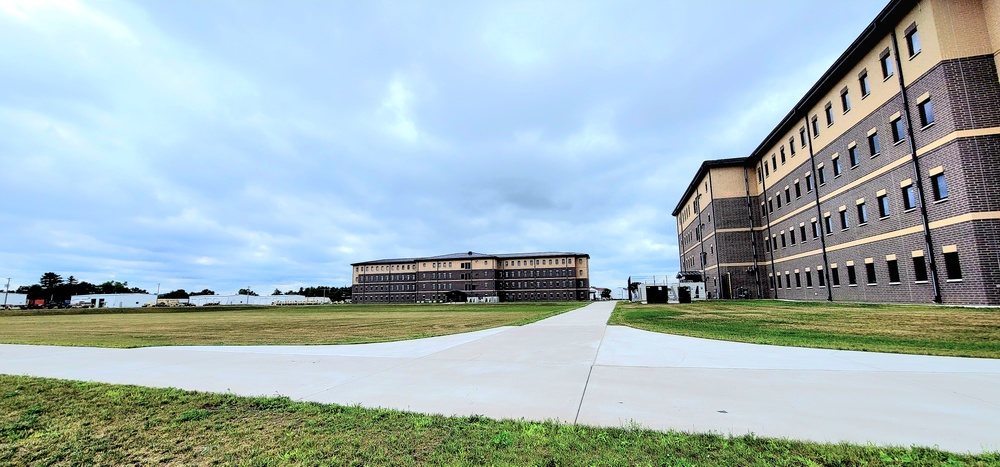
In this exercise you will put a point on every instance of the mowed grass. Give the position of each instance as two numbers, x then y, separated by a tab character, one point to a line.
336	324
46	421
913	329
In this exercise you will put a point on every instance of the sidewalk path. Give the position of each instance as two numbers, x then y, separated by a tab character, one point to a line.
576	369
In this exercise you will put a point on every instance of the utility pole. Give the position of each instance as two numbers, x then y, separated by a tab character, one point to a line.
6	290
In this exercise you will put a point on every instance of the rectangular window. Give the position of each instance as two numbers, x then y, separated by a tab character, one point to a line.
883	206
866	88
845	100
778	196
767	170
852	153
893	267
926	110
798	280
886	62
788	280
821	175
774	162
909	197
779	280
834	276
781	151
791	236
870	272
836	167
828	110
852	276
763	210
798	190
760	175
802	232
844	224
815	228
951	265
897	130
821	278
774	242
815	126
919	269
802	136
770	205
791	145
939	186
828	223
912	41
783	239
788	195
874	148
862	214
809	279
809	183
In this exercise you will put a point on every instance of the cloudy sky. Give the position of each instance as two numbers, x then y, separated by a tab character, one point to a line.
225	144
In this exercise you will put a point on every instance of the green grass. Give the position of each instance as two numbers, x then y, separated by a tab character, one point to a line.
912	329
335	324
46	421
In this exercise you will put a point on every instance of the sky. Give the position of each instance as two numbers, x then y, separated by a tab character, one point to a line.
270	144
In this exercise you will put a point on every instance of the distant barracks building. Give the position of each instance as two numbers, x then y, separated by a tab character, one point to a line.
881	185
519	277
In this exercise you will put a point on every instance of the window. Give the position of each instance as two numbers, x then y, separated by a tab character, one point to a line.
834	275
926	110
767	170
874	148
791	145
821	175
802	232
788	195
798	280
870	272
897	130
821	278
845	100
778	197
951	265
912	40
828	110
815	228
939	186
852	276
774	162
763	210
886	62
791	236
866	89
836	167
883	206
809	279
774	242
893	267
783	239
770	205
779	280
852	154
919	268
798	190
844	224
828	223
788	280
815	126
760	174
809	183
782	152
909	197
862	213
802	136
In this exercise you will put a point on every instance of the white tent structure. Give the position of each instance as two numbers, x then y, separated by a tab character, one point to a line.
262	300
115	300
14	299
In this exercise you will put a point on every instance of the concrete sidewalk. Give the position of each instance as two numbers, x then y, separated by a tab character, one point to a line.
576	369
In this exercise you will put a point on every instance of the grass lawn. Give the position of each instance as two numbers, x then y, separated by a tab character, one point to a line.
334	324
913	329
46	421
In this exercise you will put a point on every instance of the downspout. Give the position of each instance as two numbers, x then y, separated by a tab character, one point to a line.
767	217
718	263
819	210
928	243
701	233
753	241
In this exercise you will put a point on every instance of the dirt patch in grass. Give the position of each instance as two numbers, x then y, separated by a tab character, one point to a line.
917	329
266	326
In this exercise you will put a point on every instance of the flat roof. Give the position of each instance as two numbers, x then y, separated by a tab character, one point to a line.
471	255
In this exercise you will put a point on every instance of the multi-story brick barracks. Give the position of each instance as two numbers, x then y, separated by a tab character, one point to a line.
881	185
459	277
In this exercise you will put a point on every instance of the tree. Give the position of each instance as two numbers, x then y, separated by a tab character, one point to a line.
179	293
276	292
203	292
606	294
246	292
50	280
